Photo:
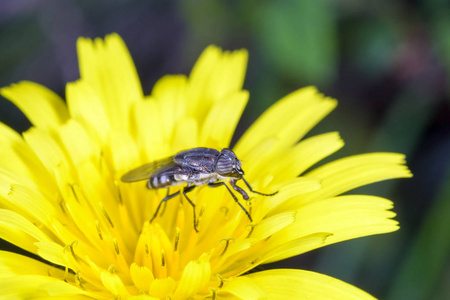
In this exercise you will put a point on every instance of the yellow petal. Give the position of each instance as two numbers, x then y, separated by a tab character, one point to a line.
45	147
285	191
85	106
195	275
199	79
121	152
303	155
142	297
61	289
65	297
36	286
367	160
299	284
29	203
170	94
186	135
77	143
344	217
247	249
161	288
351	172
215	75
142	277
268	250
56	254
17	230
12	264
98	192
43	107
82	217
114	284
284	249
149	130
19	161
109	70
222	119
231	247
242	288
287	120
271	225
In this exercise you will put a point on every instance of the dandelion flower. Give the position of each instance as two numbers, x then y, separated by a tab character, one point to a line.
62	199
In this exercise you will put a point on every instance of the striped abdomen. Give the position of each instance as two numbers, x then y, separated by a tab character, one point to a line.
161	181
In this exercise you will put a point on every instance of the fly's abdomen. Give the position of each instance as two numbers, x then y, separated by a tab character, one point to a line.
161	181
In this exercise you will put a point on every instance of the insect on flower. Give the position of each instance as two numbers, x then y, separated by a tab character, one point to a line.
193	167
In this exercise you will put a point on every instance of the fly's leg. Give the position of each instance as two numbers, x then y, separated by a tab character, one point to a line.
252	190
165	203
241	191
238	189
168	197
184	192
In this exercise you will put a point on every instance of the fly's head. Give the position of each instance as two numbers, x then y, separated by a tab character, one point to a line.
228	165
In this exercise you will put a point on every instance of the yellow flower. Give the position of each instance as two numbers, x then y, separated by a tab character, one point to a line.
62	199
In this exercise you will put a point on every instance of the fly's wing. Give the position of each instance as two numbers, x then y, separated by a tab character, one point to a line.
148	170
201	159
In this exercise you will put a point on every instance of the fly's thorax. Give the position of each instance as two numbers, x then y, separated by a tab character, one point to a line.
204	178
224	178
196	179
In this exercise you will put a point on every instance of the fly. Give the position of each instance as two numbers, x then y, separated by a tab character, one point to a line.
194	167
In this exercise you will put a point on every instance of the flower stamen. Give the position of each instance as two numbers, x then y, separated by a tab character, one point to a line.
222	281
62	204
11	190
252	227
111	269
177	239
200	214
225	210
99	231
66	274
105	213
79	280
72	251
72	188
116	246
202	210
119	193
213	292
227	243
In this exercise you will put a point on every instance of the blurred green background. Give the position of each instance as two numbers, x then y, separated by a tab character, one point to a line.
387	62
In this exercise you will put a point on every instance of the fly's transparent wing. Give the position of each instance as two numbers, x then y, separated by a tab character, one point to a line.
148	170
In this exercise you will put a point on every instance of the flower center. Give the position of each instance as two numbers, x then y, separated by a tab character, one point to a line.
155	252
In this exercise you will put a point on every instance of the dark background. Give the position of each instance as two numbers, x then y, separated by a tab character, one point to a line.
387	62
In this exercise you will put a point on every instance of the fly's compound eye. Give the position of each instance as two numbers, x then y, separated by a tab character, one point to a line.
224	166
